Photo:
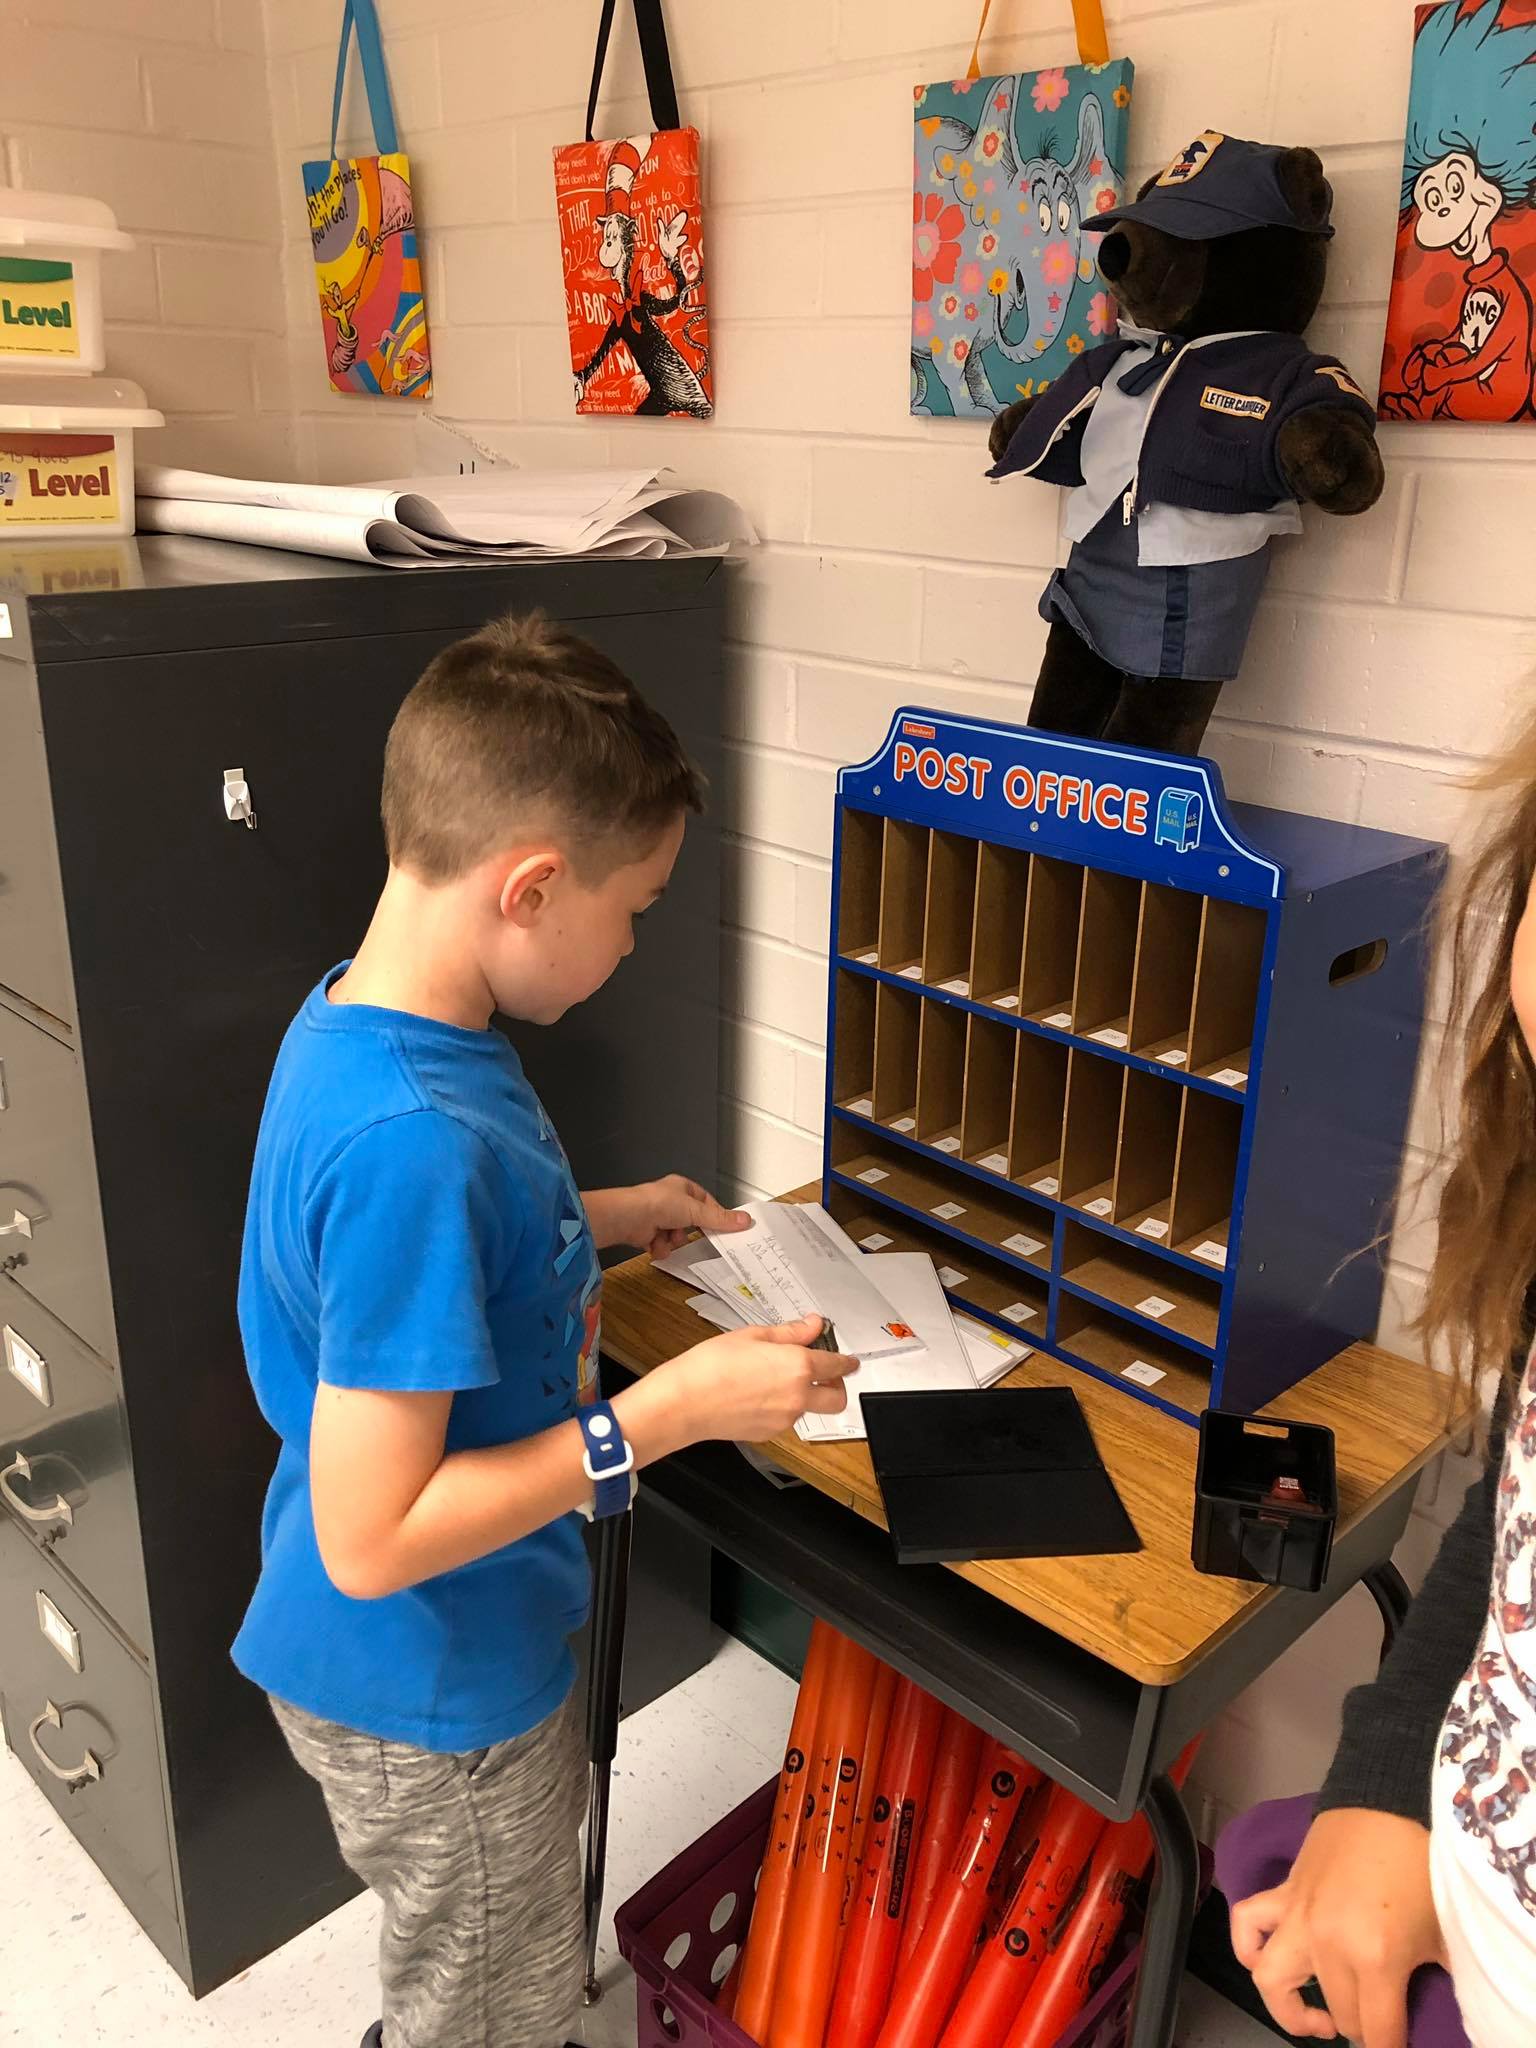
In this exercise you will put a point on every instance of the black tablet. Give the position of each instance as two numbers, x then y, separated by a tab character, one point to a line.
1010	1473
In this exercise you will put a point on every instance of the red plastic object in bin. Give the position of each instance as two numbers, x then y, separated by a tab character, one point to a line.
698	1910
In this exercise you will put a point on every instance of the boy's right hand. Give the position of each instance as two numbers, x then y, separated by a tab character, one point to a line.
749	1385
1357	1913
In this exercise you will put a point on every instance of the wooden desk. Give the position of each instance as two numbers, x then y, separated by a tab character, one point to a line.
1097	1669
1151	1614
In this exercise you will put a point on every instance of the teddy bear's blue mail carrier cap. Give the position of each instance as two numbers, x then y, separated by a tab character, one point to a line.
1216	185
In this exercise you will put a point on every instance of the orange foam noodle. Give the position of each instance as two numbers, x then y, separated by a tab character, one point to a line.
760	1956
928	1985
867	1966
1010	1961
808	1957
956	1760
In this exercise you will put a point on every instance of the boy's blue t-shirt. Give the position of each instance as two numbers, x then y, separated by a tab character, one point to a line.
414	1226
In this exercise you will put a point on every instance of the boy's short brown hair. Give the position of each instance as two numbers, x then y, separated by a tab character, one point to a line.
522	727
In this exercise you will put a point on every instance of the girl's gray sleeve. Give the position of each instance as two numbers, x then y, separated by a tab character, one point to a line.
1391	1730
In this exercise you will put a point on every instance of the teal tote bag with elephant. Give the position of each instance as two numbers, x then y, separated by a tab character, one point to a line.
1005	286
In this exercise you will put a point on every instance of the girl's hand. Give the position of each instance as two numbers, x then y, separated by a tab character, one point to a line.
659	1215
1357	1914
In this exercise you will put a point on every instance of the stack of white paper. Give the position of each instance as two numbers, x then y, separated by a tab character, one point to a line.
781	1271
722	1299
432	522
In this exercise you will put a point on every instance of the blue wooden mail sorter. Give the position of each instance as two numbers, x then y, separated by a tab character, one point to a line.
1134	1063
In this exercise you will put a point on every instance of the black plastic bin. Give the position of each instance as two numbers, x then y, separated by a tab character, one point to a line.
1266	1500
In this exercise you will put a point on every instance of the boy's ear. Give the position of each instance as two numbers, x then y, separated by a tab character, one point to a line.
526	890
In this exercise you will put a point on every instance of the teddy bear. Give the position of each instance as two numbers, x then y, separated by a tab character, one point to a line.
1188	439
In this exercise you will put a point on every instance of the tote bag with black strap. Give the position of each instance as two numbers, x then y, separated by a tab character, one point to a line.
632	244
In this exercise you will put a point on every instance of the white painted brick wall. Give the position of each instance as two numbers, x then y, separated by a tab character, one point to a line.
161	108
1391	650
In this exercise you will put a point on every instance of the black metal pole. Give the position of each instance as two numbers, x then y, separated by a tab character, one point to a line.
1170	1918
610	1603
1389	1589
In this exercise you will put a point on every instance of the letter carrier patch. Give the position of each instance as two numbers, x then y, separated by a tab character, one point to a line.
1240	405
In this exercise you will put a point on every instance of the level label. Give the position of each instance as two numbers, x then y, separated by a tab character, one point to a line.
37	308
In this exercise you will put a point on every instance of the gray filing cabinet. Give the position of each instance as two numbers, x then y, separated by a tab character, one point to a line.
152	952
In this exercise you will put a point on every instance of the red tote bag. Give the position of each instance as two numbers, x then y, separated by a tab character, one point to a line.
632	243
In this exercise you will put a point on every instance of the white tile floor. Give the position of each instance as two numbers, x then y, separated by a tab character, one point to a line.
79	1970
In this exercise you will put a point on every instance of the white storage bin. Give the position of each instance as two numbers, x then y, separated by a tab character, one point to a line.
66	456
50	281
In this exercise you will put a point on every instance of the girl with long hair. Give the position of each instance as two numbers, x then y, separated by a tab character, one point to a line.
1421	1848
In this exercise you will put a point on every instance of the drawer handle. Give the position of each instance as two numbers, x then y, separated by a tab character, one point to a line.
60	1509
86	1772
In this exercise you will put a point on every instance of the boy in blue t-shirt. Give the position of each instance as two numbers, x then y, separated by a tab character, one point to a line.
419	1300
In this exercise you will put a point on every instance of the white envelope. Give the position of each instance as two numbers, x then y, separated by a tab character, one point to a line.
680	1264
940	1366
992	1355
793	1268
716	1311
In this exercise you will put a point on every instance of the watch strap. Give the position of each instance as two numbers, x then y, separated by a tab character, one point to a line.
608	1459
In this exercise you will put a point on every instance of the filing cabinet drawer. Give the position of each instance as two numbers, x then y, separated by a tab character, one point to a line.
51	1240
80	1715
65	1474
34	948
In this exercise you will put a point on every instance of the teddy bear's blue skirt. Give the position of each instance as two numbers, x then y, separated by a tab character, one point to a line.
1188	622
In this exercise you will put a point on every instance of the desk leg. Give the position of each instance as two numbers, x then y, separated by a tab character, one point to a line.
1170	1918
610	1603
1389	1589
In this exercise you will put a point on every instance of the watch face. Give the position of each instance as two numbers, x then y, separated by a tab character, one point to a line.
604	1438
609	1461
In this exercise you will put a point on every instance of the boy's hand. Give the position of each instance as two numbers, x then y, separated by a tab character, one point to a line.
750	1385
1356	1913
659	1215
673	1208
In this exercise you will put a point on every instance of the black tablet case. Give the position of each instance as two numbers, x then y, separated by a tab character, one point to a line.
1010	1473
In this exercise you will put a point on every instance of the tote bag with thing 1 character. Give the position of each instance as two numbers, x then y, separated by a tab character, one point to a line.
632	246
362	224
1005	284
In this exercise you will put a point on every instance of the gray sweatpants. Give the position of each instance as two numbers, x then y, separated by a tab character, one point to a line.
475	1859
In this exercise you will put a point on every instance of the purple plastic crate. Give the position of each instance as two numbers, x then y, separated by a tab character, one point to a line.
680	1934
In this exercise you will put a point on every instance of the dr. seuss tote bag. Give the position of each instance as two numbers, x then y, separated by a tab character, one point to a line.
1461	337
362	222
1005	285
633	248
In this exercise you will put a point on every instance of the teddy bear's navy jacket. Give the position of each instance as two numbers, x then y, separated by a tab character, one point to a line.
1213	431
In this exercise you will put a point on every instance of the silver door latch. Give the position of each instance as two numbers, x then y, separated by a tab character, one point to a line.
238	803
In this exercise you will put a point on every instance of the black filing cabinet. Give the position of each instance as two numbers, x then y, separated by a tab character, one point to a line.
152	951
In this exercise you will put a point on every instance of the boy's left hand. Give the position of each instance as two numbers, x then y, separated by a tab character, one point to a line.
659	1215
